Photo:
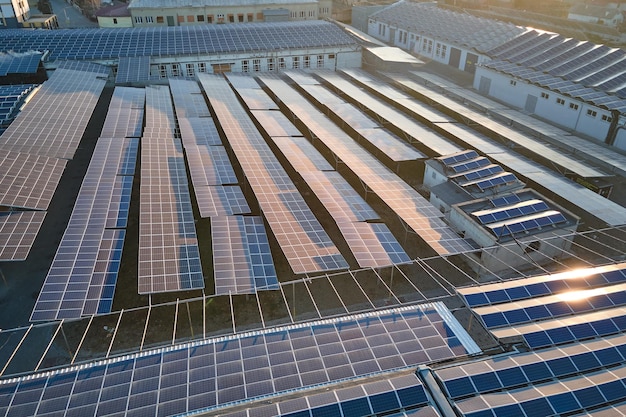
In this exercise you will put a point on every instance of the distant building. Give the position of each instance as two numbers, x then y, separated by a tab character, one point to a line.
602	15
13	13
146	13
456	39
114	16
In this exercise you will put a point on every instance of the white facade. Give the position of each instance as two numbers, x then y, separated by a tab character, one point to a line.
160	13
426	47
568	112
13	13
266	62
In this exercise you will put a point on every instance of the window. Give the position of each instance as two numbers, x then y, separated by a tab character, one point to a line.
250	17
201	67
380	28
175	70
259	16
438	49
209	18
430	46
320	61
200	18
573	106
607	118
311	13
138	19
307	61
160	19
149	19
190	19
302	14
162	71
190	70
231	18
295	62
114	21
256	64
281	63
245	65
270	64
331	56
240	18
444	51
591	113
181	19
560	101
545	95
513	82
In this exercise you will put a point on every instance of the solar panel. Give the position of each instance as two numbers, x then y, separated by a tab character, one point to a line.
372	244
212	372
17	233
169	257
26	63
120	202
506	200
188	99
255	98
209	166
28	181
242	260
303	240
68	99
411	207
198	131
113	43
519	209
125	115
133	69
527	224
301	154
275	123
221	200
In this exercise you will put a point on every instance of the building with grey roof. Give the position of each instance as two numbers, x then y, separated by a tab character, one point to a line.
457	39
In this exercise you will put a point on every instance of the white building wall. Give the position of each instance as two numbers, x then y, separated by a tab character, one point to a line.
561	110
433	177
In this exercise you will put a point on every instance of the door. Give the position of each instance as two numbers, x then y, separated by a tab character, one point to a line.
392	35
170	20
455	57
531	103
484	85
470	63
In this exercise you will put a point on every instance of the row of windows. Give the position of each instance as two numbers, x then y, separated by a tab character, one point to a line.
575	106
189	69
302	14
221	18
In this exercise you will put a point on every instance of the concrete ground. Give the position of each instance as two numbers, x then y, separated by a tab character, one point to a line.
69	16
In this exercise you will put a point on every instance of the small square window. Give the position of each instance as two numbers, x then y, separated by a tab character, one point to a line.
190	19
560	101
573	106
545	95
592	113
513	82
200	18
160	19
181	19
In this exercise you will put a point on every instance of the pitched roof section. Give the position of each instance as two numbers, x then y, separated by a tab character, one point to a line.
457	28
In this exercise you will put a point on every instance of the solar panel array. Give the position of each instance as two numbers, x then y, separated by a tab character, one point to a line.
125	115
558	381
213	372
242	262
577	195
67	100
18	231
411	129
373	245
372	132
27	63
133	69
553	309
241	255
302	239
72	287
583	66
113	43
169	256
11	99
29	181
462	29
366	399
413	209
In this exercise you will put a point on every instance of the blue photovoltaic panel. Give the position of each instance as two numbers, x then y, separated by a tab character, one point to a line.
221	200
509	212
18	231
27	63
475	163
476	174
120	202
104	43
527	223
209	373
506	200
133	69
543	285
488	183
458	157
242	260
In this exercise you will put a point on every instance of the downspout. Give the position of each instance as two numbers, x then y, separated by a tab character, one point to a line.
614	128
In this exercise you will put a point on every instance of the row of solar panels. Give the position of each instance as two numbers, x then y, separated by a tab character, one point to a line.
212	373
82	278
85	44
